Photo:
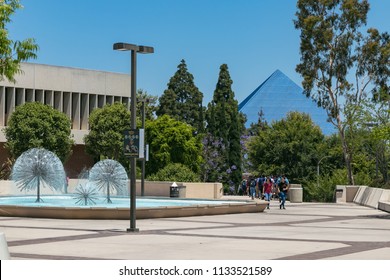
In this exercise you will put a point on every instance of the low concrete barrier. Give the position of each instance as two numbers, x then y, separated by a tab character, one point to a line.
346	193
103	213
368	196
371	197
295	193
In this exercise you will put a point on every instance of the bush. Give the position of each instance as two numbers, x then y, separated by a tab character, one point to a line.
176	172
325	190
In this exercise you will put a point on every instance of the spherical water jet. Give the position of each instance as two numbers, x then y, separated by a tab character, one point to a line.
109	175
38	167
86	194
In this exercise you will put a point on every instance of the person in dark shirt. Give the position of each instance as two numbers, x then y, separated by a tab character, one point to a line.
283	187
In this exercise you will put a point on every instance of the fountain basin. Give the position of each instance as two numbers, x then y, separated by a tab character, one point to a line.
176	208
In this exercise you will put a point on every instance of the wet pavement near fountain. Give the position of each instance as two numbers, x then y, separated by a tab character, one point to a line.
304	231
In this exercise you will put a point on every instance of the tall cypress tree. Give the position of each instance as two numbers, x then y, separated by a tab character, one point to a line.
182	100
223	123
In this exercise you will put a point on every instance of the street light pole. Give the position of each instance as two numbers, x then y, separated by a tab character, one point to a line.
133	124
318	170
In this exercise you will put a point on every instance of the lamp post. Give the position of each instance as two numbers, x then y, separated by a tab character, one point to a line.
318	170
134	50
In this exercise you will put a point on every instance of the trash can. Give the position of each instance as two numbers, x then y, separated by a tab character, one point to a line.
339	193
177	191
295	193
174	191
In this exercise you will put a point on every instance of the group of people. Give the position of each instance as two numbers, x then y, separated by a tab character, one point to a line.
266	187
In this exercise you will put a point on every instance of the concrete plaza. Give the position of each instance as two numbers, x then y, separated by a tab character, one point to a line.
304	231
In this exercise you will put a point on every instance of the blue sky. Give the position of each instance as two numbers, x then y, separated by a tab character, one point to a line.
253	37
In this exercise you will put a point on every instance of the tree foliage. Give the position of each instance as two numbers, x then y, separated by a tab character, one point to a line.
35	125
175	172
171	141
182	100
339	63
105	138
225	124
150	105
290	146
12	53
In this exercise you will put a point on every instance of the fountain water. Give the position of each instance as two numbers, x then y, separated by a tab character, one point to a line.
38	167
109	175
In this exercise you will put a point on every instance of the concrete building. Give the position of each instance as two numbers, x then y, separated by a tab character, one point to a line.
75	92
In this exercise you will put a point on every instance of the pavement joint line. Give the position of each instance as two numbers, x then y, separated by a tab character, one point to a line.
52	257
318	220
174	232
58	239
354	247
113	232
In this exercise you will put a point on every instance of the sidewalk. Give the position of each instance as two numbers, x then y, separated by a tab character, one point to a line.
302	231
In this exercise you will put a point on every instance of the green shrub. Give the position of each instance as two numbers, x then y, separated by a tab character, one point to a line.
324	189
176	172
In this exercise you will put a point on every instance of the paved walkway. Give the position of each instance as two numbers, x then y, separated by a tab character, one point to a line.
302	231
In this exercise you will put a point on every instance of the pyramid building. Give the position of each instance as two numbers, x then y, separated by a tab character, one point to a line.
277	96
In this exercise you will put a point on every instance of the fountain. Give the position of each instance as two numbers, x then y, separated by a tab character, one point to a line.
38	167
86	195
109	175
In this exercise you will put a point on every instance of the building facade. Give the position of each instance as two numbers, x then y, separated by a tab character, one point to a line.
276	97
75	92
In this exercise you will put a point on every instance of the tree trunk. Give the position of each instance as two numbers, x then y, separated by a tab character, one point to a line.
347	155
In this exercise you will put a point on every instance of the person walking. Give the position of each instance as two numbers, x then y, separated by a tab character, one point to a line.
252	187
267	190
283	187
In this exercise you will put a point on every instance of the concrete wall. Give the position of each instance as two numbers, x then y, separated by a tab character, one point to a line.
68	79
371	196
162	189
346	193
363	195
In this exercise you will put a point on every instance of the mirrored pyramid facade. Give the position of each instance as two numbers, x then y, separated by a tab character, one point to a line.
279	95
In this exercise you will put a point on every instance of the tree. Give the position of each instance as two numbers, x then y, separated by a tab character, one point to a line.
172	141
105	138
225	124
256	128
338	63
182	100
150	105
12	53
289	146
35	125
